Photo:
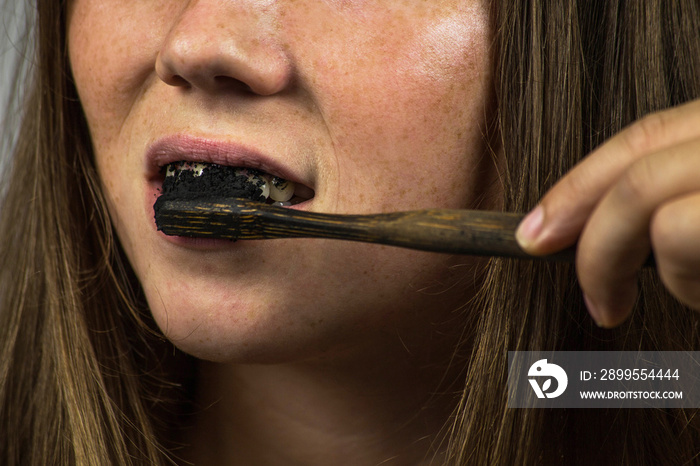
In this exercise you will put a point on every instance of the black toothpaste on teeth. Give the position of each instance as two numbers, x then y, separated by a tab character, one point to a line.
197	181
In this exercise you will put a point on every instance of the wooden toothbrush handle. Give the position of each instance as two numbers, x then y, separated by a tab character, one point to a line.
471	232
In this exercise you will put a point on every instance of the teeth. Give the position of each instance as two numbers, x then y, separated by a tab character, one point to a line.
273	188
260	182
281	190
197	168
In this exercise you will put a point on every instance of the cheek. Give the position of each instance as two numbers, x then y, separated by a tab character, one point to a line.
112	47
406	107
112	63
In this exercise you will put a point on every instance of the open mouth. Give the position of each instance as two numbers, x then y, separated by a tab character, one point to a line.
198	180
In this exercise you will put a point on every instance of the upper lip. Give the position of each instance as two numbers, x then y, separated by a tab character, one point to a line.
177	148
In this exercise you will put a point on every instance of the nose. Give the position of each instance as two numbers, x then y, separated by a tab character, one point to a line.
215	46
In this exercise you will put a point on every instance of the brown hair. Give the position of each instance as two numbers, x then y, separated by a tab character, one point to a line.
569	75
77	359
82	371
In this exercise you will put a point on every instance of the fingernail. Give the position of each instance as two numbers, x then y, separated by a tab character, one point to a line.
593	310
530	228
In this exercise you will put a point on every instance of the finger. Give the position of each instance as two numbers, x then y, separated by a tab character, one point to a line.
558	220
616	239
675	236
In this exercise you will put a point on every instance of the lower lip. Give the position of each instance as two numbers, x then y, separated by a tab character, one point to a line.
199	243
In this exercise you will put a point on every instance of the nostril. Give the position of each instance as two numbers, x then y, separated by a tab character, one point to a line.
212	66
223	46
229	83
167	73
176	80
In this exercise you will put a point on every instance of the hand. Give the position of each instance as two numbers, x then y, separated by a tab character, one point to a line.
638	192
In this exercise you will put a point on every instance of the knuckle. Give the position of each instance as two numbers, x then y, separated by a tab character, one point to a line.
646	132
635	183
582	183
577	188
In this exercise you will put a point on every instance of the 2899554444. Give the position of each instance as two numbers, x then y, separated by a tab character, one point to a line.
639	374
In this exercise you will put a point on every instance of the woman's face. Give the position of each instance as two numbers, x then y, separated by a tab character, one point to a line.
372	105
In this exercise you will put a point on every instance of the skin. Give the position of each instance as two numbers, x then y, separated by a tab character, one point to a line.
317	350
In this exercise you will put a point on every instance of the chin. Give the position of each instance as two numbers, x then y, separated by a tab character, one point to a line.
235	306
245	326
